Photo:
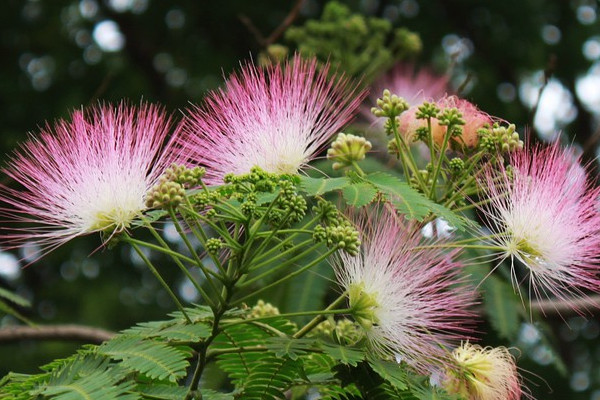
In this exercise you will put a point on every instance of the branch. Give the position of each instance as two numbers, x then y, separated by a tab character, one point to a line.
590	304
272	38
55	332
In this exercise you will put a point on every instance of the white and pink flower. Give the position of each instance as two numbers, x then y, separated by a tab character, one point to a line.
277	118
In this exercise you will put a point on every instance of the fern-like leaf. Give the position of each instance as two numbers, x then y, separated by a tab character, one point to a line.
153	359
345	355
289	347
96	386
269	378
238	365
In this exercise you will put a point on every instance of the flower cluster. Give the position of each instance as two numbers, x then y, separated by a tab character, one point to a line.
545	214
85	175
277	118
410	303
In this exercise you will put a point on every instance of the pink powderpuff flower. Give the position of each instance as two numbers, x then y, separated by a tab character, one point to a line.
277	118
474	118
89	174
545	214
480	373
410	302
406	81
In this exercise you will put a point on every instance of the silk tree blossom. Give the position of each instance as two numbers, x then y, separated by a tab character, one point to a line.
410	303
480	373
277	118
412	84
545	214
89	174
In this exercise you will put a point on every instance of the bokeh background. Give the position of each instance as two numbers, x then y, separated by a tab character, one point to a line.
530	62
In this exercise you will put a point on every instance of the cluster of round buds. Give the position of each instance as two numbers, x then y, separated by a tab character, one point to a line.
456	165
262	309
500	138
292	205
257	180
347	149
327	212
343	236
165	194
342	331
170	189
188	177
214	245
389	105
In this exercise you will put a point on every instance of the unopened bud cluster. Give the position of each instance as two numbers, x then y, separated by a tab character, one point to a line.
389	105
348	149
214	245
165	194
500	139
170	189
342	331
343	236
262	309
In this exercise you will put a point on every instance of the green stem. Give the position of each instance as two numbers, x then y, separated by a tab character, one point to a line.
358	169
463	246
280	266
198	262
202	238
287	277
160	279
319	318
281	255
405	155
438	165
327	311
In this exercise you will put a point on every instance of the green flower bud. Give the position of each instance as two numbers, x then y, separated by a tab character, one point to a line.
327	211
389	105
347	149
165	194
262	309
214	245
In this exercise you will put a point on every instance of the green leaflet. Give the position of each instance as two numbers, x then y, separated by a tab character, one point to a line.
172	331
153	359
405	199
238	365
359	194
163	392
319	186
345	355
390	371
5	308
410	202
270	378
96	386
289	347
